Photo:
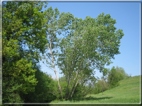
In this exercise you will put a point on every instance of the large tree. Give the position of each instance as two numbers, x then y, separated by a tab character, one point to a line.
57	25
89	45
23	39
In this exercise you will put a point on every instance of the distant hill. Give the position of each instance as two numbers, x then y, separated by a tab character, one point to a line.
128	91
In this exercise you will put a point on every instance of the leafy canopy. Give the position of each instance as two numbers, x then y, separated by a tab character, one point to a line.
90	44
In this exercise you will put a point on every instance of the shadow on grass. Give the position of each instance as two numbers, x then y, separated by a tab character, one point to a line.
96	98
93	98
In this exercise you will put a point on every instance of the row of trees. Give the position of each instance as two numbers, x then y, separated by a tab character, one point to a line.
32	32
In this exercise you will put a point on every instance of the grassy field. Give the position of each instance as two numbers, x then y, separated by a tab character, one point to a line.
129	91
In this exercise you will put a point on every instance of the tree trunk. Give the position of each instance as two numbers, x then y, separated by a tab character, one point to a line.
59	87
74	86
53	66
67	89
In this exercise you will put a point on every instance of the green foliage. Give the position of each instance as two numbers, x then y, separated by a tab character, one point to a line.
63	85
109	79
77	46
45	90
79	92
23	38
100	86
57	25
85	48
115	75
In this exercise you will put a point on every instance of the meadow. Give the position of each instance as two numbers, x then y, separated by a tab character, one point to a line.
128	92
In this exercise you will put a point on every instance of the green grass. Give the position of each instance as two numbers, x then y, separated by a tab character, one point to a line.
128	91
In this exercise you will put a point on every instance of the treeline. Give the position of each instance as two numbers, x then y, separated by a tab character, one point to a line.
33	32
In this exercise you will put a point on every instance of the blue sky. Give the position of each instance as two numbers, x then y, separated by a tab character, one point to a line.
127	15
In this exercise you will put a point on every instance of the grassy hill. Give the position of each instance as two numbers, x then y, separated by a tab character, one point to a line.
129	91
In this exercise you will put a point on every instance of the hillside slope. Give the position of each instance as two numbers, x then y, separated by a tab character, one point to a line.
129	91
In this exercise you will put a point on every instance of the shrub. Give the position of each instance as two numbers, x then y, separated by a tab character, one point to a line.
115	75
100	86
45	90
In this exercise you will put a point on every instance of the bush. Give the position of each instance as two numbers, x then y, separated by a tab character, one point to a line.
115	75
100	86
45	90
